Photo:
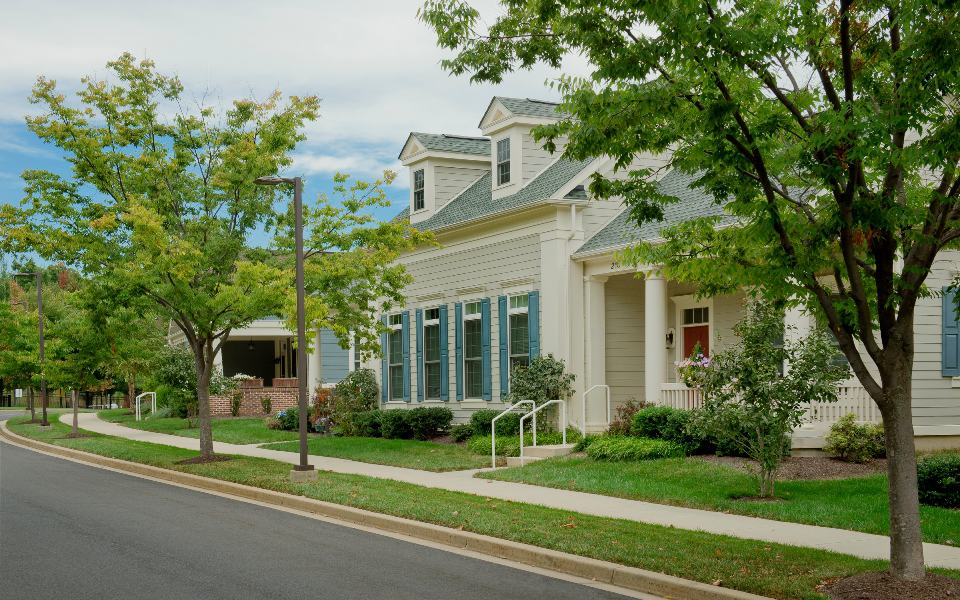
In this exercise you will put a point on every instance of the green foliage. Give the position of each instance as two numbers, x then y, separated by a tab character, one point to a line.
671	424
288	419
938	479
623	416
395	424
427	422
621	448
510	445
749	405
508	424
361	424
357	392
585	441
545	378
266	403
173	368
855	442
236	399
461	432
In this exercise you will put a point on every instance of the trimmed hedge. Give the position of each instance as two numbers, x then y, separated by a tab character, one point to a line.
361	424
672	425
622	448
429	421
508	424
938	480
461	432
853	442
509	445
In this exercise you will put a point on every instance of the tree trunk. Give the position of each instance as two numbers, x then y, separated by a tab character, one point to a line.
906	542
131	391
76	424
33	410
203	356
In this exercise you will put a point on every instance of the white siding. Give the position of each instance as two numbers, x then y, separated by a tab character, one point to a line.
624	343
535	158
451	180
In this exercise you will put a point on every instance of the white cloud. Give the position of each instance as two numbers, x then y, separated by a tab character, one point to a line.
375	66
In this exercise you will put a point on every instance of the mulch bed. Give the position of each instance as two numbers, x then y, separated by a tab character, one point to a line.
197	460
807	467
882	586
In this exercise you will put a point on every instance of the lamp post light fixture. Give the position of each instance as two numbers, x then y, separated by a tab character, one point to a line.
304	470
43	379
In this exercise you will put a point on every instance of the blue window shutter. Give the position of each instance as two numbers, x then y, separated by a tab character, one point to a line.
444	357
419	334
504	347
533	323
384	367
485	341
950	352
458	345
406	355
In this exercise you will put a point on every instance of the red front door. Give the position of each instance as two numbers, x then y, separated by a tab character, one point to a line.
693	334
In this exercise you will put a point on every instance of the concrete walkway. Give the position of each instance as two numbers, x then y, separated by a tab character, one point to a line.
864	545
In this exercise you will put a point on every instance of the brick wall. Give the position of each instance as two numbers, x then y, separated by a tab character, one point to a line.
250	406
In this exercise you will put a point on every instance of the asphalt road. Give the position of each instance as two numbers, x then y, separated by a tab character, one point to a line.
72	531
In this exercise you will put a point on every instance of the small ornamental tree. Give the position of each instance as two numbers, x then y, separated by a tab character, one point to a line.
749	405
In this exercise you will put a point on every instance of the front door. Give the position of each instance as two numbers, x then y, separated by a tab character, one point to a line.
694	334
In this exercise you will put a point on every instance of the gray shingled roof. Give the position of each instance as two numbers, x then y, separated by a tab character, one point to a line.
477	200
693	202
461	144
529	107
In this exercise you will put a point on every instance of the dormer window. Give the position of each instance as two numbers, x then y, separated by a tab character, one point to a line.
418	199
503	161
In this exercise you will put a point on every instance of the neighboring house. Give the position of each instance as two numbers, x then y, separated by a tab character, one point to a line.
526	266
265	350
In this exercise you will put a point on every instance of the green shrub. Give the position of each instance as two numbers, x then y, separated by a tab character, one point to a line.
853	442
938	480
461	432
361	424
585	442
357	392
623	416
429	421
621	448
672	425
395	424
288	419
266	403
236	399
508	424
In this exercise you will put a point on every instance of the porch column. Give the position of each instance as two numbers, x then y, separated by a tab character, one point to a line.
797	325
655	334
595	338
314	364
218	360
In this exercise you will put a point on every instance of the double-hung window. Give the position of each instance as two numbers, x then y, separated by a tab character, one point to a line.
519	330
431	353
418	198
395	357
473	350
503	161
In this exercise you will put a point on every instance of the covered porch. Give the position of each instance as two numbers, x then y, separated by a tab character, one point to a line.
639	325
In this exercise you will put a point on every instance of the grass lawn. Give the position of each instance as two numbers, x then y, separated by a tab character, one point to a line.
768	569
230	429
413	454
857	503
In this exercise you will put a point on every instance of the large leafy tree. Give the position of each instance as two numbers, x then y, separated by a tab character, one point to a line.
831	128
161	200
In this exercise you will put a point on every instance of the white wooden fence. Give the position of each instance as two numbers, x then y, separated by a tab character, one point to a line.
851	398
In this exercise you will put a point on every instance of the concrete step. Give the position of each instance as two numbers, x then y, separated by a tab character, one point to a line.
515	461
548	451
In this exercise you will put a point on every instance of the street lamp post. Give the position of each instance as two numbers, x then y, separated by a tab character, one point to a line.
304	470
43	379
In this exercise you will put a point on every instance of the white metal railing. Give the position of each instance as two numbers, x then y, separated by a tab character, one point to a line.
851	398
493	427
583	406
153	403
563	423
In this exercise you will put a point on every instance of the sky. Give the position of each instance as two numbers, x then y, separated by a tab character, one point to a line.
373	63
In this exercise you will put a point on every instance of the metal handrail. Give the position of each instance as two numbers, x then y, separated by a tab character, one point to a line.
563	423
153	403
583	406
493	427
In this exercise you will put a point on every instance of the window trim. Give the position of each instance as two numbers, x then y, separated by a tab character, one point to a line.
421	190
520	310
468	316
439	362
498	162
394	329
689	301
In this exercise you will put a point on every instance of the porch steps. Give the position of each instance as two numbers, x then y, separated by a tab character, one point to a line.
535	453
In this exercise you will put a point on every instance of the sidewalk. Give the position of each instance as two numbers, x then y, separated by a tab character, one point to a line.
855	543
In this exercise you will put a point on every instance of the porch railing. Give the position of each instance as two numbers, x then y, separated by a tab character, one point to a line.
851	398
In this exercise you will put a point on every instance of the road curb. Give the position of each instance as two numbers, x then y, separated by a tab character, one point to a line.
631	578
